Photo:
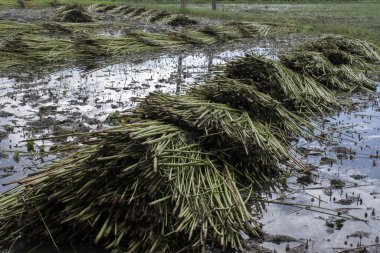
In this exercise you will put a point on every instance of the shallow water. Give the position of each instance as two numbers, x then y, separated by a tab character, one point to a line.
357	166
74	100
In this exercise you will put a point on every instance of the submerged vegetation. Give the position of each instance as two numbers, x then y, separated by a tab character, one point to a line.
177	172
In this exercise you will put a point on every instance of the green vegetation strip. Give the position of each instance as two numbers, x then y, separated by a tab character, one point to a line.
23	46
177	172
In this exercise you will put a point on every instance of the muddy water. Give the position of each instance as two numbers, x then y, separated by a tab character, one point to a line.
347	178
73	100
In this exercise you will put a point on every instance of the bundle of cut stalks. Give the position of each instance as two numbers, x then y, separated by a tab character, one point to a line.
125	9
218	123
220	32
340	49
143	187
178	20
137	11
73	13
253	146
259	105
88	47
14	44
249	29
102	7
56	28
179	174
159	15
317	66
296	92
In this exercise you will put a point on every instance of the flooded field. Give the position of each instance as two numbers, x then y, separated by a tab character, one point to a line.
345	173
75	100
333	207
345	177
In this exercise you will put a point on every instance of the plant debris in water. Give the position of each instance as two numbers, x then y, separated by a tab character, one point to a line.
178	171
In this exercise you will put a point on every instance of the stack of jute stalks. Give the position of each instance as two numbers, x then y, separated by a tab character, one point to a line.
73	13
177	172
337	62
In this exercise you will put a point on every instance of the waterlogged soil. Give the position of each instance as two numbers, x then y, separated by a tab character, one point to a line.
345	175
33	15
343	188
26	15
77	100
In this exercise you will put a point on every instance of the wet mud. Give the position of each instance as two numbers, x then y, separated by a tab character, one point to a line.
344	181
343	186
77	100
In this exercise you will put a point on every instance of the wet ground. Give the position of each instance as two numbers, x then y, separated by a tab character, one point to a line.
345	178
346	170
75	100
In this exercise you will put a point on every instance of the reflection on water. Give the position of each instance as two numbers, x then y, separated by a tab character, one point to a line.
73	100
352	160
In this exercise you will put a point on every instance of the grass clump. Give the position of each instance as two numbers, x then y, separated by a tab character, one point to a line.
72	13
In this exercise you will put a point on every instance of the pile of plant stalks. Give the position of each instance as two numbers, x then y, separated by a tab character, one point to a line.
72	13
56	28
143	187
344	50
88	47
60	43
177	172
258	104
153	16
14	44
156	186
295	91
102	7
316	65
177	20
